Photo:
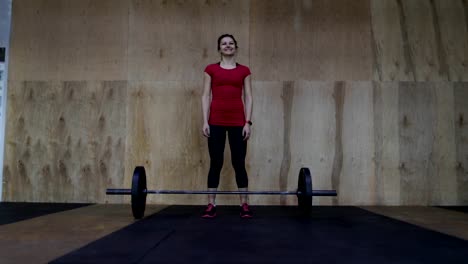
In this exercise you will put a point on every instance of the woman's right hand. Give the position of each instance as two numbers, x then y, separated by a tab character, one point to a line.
206	130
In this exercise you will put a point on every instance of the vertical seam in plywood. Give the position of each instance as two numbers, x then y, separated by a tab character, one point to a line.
338	95
287	96
379	188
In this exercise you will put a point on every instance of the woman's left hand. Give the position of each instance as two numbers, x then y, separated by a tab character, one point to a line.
246	132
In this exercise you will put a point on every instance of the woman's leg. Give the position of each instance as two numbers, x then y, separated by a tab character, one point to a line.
216	143
238	152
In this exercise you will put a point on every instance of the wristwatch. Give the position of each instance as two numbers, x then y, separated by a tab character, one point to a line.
248	122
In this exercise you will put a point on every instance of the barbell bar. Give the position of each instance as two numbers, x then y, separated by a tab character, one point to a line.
139	191
129	192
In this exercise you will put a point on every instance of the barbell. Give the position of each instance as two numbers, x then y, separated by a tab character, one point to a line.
138	191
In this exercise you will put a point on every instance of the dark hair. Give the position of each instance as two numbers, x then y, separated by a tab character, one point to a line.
223	36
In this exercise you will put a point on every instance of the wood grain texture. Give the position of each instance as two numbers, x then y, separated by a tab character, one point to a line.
63	144
424	40
337	168
444	189
417	118
454	37
334	40
427	144
273	40
461	139
369	94
295	123
424	52
386	134
175	40
287	97
357	179
313	135
283	113
69	40
311	40
164	134
392	59
269	153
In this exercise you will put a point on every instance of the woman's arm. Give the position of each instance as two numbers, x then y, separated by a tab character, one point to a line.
206	100
248	97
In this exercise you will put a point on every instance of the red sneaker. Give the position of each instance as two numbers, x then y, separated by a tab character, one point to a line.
210	211
245	211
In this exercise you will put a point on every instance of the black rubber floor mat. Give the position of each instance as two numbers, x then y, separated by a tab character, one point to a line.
275	235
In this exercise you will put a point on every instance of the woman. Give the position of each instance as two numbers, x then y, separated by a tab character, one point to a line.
224	112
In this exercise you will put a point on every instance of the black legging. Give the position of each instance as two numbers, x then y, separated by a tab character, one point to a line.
238	146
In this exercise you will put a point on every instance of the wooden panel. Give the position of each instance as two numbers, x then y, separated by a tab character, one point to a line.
106	25
333	40
375	142
65	140
461	139
175	40
337	168
311	40
164	134
452	21
268	155
419	40
417	118
26	139
69	40
428	60
392	59
312	135
444	186
108	141
176	155
427	145
357	179
30	55
386	134
273	40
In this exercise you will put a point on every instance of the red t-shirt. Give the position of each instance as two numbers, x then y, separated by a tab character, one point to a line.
227	108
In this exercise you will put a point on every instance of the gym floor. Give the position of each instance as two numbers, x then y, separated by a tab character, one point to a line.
90	233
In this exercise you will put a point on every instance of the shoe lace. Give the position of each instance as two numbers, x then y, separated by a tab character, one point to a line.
209	207
245	207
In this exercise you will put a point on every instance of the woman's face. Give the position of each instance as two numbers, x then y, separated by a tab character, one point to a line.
227	46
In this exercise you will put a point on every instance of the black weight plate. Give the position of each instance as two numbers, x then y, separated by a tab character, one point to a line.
304	186
139	192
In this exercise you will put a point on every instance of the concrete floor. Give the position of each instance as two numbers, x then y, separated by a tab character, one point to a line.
45	238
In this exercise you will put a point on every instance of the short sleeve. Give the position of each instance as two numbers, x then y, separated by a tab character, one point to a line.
209	70
247	72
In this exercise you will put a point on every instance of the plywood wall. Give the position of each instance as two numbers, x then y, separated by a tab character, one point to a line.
370	95
65	140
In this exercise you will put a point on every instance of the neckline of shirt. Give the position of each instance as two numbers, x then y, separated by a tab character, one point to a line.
219	64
